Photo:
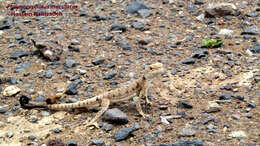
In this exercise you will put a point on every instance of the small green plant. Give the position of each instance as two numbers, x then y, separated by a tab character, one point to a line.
211	43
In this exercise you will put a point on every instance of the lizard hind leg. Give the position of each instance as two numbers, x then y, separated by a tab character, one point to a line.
104	106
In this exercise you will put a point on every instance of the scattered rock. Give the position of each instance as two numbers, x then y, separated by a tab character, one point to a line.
237	134
213	107
144	13
22	67
75	42
250	30
118	27
123	133
145	41
5	23
48	74
256	47
183	143
98	61
11	90
57	142
220	10
199	54
73	48
125	45
199	2
45	113
186	132
235	117
10	134
110	75
138	25
184	104
252	14
50	49
189	61
98	142
72	88
115	116
226	32
71	143
225	96
107	127
19	54
135	6
252	105
69	63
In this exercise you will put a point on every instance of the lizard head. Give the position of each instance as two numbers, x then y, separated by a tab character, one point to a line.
153	70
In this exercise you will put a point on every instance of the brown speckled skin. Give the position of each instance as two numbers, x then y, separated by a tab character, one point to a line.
125	92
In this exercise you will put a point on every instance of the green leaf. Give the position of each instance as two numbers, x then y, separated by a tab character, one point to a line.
211	43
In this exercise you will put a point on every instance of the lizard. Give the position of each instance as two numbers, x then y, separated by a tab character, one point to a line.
138	87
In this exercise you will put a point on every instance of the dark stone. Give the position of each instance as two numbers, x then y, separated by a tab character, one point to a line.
115	116
98	142
189	61
239	97
69	63
48	74
98	18
225	96
252	105
71	143
110	75
148	136
21	67
73	48
224	52
19	54
40	98
135	6
199	2
228	87
252	14
75	77
72	89
31	137
138	25
2	110
256	47
83	13
123	133
98	61
199	54
57	130
125	45
192	7
187	132
6	23
144	13
173	71
118	27
184	104
219	11
107	127
250	30
19	37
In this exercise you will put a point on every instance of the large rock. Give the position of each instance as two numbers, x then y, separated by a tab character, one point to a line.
135	6
220	10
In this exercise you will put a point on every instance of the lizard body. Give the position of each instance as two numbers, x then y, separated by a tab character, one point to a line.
138	88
